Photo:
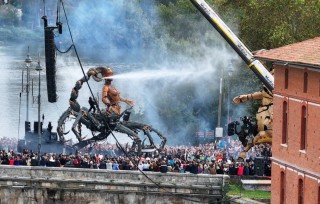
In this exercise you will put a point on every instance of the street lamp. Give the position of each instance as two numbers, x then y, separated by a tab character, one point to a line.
219	129
39	68
230	71
28	62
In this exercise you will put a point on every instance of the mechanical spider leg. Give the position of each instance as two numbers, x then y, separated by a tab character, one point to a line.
61	124
163	139
136	140
147	129
75	124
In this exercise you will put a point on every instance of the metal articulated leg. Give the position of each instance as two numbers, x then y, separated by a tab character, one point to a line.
94	120
147	130
136	140
76	122
163	138
61	122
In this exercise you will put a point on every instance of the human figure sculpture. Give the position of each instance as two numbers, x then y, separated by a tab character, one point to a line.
111	96
264	117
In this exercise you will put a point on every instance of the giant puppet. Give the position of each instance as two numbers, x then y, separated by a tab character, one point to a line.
106	120
252	132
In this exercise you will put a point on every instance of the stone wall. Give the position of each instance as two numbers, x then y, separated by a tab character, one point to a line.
24	184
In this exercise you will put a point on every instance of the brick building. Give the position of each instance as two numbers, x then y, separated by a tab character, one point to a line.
296	126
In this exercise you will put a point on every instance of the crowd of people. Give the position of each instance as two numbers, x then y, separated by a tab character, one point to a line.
210	158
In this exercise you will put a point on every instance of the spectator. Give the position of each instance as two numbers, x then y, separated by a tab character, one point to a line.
240	170
34	162
140	166
212	168
103	164
115	165
109	165
146	165
163	167
183	158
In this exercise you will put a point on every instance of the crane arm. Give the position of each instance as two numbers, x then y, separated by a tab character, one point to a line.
255	65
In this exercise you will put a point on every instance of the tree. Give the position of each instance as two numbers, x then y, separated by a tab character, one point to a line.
274	23
8	15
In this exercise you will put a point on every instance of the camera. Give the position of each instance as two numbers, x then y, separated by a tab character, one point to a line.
246	131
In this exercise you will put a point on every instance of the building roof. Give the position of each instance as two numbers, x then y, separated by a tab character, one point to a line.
305	53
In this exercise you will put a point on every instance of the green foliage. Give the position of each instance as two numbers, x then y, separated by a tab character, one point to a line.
238	191
274	23
185	27
225	190
8	15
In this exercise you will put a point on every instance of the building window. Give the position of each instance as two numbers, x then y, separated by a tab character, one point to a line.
282	187
284	122
286	78
305	82
303	128
300	192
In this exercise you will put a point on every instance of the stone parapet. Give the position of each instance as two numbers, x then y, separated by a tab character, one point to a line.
25	184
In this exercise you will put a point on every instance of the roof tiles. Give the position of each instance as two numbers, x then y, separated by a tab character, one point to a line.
305	52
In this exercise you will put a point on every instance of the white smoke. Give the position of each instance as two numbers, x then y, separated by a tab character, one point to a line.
120	34
112	34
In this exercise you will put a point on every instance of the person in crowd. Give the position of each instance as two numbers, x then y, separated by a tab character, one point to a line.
194	167
34	161
212	168
163	167
140	166
103	164
240	169
115	165
146	165
49	127
246	169
182	158
109	164
92	104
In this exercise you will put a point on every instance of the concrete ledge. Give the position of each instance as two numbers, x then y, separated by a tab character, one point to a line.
246	201
263	185
77	185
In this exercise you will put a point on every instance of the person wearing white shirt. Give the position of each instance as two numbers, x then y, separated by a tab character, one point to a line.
140	166
146	166
109	165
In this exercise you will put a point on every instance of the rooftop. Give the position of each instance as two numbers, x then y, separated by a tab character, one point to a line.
305	53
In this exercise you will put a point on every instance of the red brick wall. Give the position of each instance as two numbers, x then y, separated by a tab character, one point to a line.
292	176
275	183
295	163
295	83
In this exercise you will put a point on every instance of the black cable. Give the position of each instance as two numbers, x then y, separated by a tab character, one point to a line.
62	52
104	120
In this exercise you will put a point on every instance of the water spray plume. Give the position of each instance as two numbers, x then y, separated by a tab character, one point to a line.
159	74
